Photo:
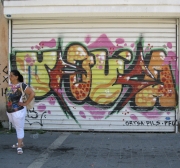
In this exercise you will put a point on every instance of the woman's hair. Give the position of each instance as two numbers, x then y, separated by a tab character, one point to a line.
17	73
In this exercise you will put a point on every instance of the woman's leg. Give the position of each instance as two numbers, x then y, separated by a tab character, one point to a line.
10	117
20	143
19	120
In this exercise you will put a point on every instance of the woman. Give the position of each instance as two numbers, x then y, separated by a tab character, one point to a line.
16	109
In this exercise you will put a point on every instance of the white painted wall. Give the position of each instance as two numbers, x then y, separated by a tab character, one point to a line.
92	8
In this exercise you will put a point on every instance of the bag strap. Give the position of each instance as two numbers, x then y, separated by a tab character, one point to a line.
22	89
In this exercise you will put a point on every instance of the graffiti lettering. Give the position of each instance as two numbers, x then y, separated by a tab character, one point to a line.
93	77
33	114
149	123
34	68
3	91
148	96
5	79
5	70
79	83
105	91
170	123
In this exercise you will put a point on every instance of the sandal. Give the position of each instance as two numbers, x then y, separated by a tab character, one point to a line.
19	151
16	145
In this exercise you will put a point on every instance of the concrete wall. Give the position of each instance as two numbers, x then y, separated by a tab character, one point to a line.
3	62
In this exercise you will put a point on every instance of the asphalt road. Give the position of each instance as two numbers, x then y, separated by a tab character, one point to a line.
91	149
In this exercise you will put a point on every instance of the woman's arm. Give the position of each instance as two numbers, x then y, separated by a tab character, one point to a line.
31	94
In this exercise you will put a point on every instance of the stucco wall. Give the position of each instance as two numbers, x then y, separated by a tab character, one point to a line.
3	62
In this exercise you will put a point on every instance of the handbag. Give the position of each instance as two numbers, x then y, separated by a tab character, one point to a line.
25	98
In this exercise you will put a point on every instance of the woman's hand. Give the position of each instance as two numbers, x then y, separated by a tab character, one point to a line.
22	104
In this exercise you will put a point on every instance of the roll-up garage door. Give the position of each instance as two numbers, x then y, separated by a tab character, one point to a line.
99	74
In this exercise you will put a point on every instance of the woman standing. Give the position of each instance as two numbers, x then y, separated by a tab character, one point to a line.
16	109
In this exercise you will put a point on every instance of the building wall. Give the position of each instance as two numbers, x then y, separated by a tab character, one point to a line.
92	8
23	11
3	62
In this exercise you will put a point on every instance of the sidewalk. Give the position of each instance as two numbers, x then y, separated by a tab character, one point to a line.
93	150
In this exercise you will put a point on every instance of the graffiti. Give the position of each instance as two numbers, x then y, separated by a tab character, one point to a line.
41	112
142	123
35	115
5	70
3	91
42	44
5	79
150	123
100	77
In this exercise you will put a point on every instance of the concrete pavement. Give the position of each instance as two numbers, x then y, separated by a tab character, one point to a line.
93	150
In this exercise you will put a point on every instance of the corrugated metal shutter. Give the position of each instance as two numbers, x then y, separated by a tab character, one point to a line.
99	74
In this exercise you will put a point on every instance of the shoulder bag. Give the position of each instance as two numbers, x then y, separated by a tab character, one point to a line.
25	98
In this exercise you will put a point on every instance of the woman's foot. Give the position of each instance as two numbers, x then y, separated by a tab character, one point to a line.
19	151
16	145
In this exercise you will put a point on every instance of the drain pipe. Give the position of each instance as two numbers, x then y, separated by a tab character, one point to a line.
177	73
10	47
9	51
